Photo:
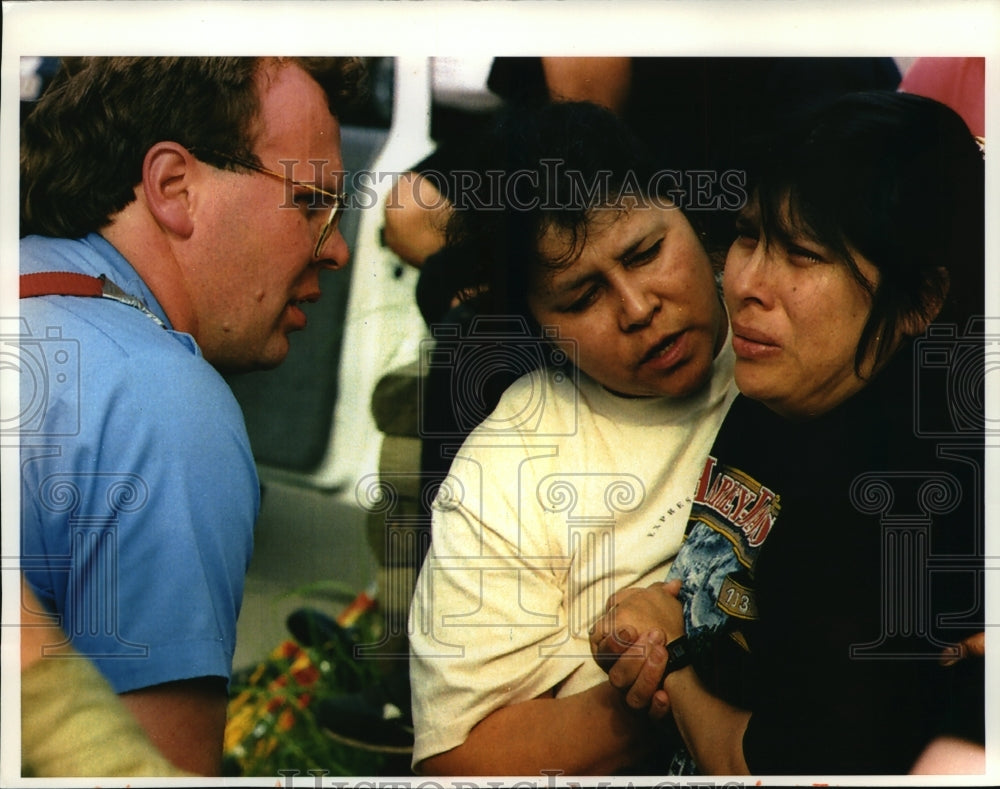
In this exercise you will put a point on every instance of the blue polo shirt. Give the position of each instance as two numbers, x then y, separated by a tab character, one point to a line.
139	491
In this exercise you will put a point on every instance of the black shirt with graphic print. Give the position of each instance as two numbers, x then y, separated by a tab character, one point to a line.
829	562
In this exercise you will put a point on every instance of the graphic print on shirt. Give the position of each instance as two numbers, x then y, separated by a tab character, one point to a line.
731	517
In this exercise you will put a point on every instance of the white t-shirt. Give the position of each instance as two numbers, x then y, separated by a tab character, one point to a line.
564	495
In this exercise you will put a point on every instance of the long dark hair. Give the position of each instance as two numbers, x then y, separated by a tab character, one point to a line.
897	178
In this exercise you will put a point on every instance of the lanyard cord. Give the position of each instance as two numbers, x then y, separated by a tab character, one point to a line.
67	283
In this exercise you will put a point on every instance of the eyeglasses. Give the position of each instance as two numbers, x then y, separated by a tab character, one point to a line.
320	197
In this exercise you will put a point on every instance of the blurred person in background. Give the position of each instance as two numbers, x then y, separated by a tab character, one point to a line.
72	723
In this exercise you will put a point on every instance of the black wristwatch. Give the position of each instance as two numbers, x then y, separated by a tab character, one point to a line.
679	654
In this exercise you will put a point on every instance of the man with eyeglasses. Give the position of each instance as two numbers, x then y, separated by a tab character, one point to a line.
175	216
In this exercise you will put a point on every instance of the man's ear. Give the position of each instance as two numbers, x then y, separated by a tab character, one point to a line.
166	184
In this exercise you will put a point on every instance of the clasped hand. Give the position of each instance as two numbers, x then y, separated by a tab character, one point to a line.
629	643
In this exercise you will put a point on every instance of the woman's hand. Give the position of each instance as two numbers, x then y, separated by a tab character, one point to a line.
632	612
629	642
973	646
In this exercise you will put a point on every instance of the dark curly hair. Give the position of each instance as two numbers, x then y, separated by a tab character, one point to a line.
552	167
83	145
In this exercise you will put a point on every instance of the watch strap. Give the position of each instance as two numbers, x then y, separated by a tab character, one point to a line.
679	654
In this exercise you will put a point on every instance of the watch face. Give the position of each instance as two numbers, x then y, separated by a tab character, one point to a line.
678	654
